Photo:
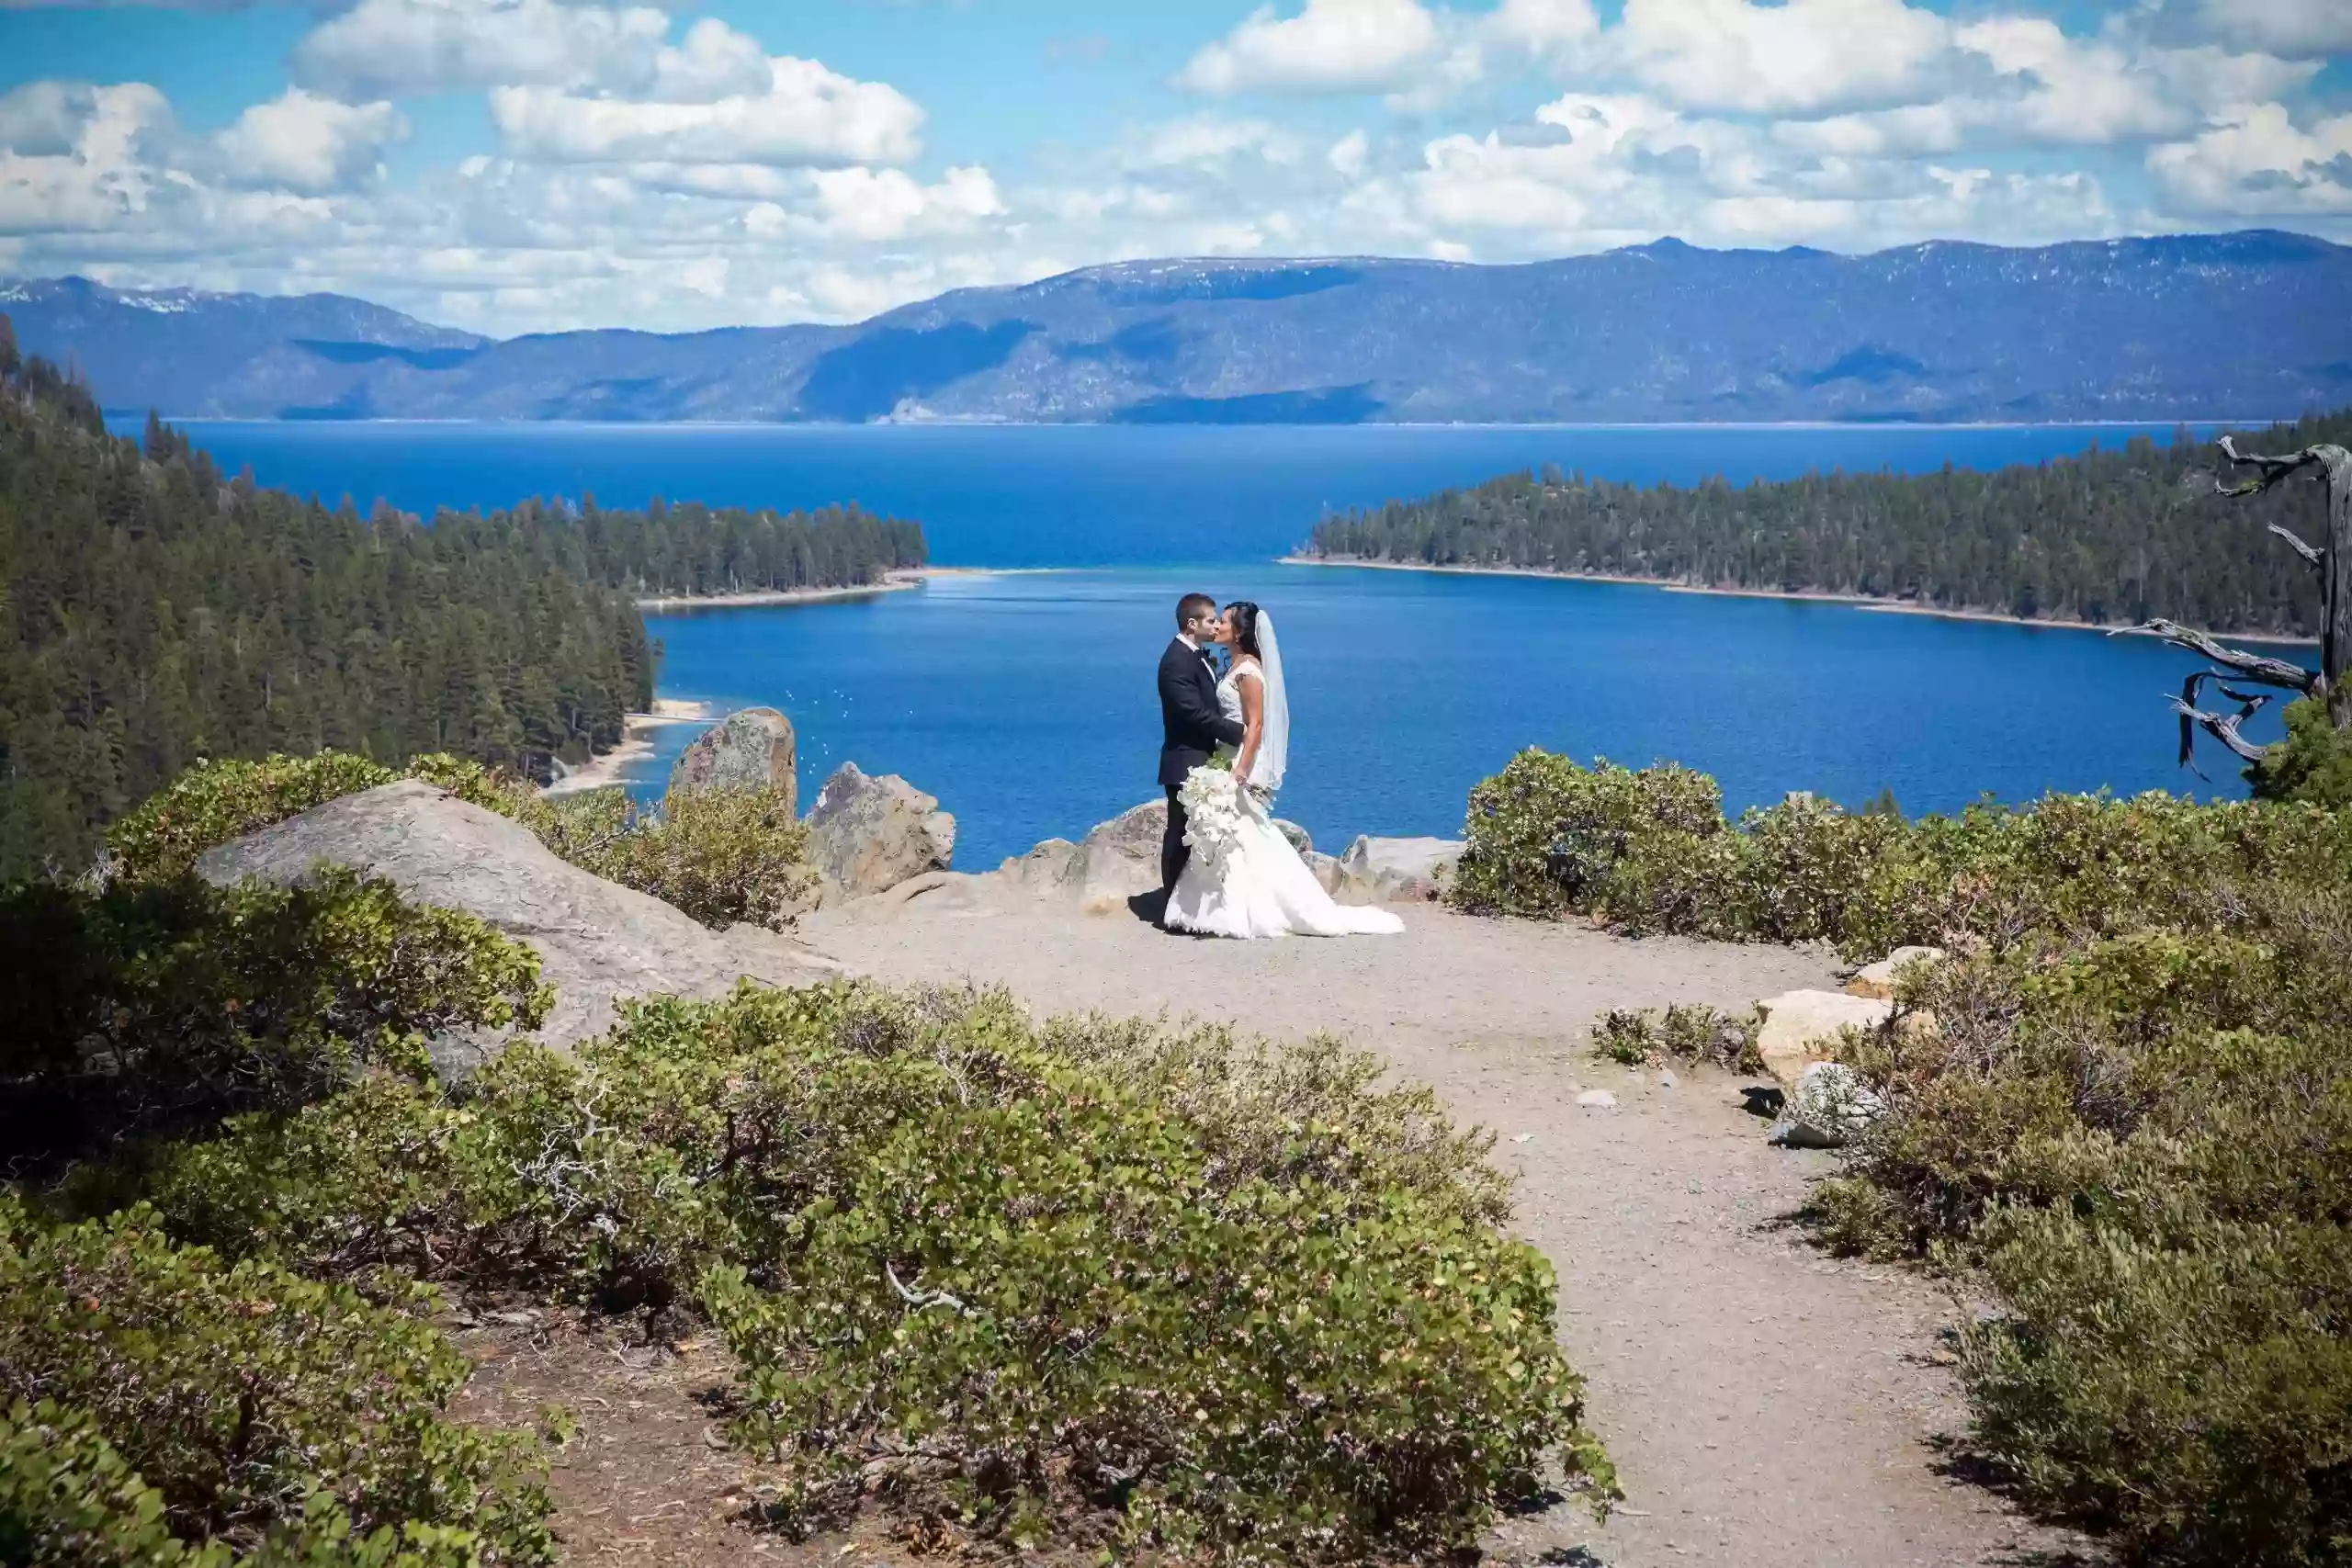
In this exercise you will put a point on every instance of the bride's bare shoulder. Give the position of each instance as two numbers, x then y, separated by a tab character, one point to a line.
1246	666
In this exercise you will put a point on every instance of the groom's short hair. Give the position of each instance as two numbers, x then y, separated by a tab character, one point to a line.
1191	606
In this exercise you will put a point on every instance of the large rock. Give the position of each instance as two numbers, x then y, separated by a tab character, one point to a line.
596	939
868	834
1394	870
1054	867
1114	862
750	749
1120	859
1802	1027
1877	980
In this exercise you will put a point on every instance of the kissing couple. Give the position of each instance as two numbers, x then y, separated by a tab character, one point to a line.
1225	868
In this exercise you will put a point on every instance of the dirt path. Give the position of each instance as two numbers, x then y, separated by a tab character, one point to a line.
1764	1405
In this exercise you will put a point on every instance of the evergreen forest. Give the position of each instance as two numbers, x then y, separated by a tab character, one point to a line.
2113	535
154	612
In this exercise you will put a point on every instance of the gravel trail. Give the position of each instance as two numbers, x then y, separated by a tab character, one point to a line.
1764	1405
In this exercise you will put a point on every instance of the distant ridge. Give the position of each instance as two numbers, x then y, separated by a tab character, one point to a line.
2248	325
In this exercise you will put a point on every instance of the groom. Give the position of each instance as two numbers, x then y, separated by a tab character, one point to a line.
1190	725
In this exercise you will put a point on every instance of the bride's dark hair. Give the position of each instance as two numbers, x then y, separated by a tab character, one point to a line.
1245	626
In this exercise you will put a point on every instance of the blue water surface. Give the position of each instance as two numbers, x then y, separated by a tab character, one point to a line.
1070	495
1023	699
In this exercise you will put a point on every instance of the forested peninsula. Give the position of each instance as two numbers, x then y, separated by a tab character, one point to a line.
2116	536
153	611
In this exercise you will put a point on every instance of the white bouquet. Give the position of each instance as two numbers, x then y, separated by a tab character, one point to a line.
1214	815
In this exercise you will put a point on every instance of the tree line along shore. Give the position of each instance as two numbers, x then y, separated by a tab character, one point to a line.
158	611
2113	537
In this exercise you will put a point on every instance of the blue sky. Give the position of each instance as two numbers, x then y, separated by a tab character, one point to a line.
515	165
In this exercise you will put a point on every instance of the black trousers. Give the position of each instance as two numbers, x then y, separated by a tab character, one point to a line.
1172	852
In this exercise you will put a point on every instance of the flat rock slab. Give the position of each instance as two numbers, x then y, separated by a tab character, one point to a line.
596	939
1765	1404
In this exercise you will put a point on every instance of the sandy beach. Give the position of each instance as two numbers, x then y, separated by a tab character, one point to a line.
895	582
606	768
1856	601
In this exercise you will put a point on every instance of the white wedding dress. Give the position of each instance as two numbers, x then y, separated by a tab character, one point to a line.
1243	878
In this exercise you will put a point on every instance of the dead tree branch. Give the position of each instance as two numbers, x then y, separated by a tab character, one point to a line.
2223	727
2333	562
2269	470
2258	667
2317	559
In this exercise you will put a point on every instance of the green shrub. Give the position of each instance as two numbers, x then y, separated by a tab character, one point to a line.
1548	838
721	855
69	1500
1687	1033
2054	1079
215	802
2141	1145
1057	1291
2188	1394
1247	1297
156	1008
169	1393
1649	851
2312	764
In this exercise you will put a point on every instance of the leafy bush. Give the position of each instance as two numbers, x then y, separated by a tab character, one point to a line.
721	855
167	1393
1251	1300
1649	851
161	1006
2125	1111
1547	838
2312	764
215	802
2187	1389
1687	1033
2142	1144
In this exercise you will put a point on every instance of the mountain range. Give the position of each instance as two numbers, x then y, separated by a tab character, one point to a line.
2249	325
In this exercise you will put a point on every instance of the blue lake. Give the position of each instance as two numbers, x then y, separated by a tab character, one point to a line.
1024	699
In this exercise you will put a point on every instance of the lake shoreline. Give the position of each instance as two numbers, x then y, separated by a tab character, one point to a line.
770	598
1808	596
606	768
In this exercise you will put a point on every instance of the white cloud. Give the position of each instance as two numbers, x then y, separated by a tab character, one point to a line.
712	61
396	47
1798	56
2257	163
85	170
2281	27
2097	91
809	115
1331	46
885	204
1204	139
1349	154
302	142
1544	25
45	119
1624	168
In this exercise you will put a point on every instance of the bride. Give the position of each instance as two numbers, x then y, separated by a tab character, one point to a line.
1243	879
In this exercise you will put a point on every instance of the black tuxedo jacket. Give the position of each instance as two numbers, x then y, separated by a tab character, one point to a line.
1190	725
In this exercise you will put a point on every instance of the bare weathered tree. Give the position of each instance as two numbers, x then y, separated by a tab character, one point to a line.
2331	683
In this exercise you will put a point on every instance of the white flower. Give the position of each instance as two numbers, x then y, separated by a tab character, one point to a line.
1213	822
